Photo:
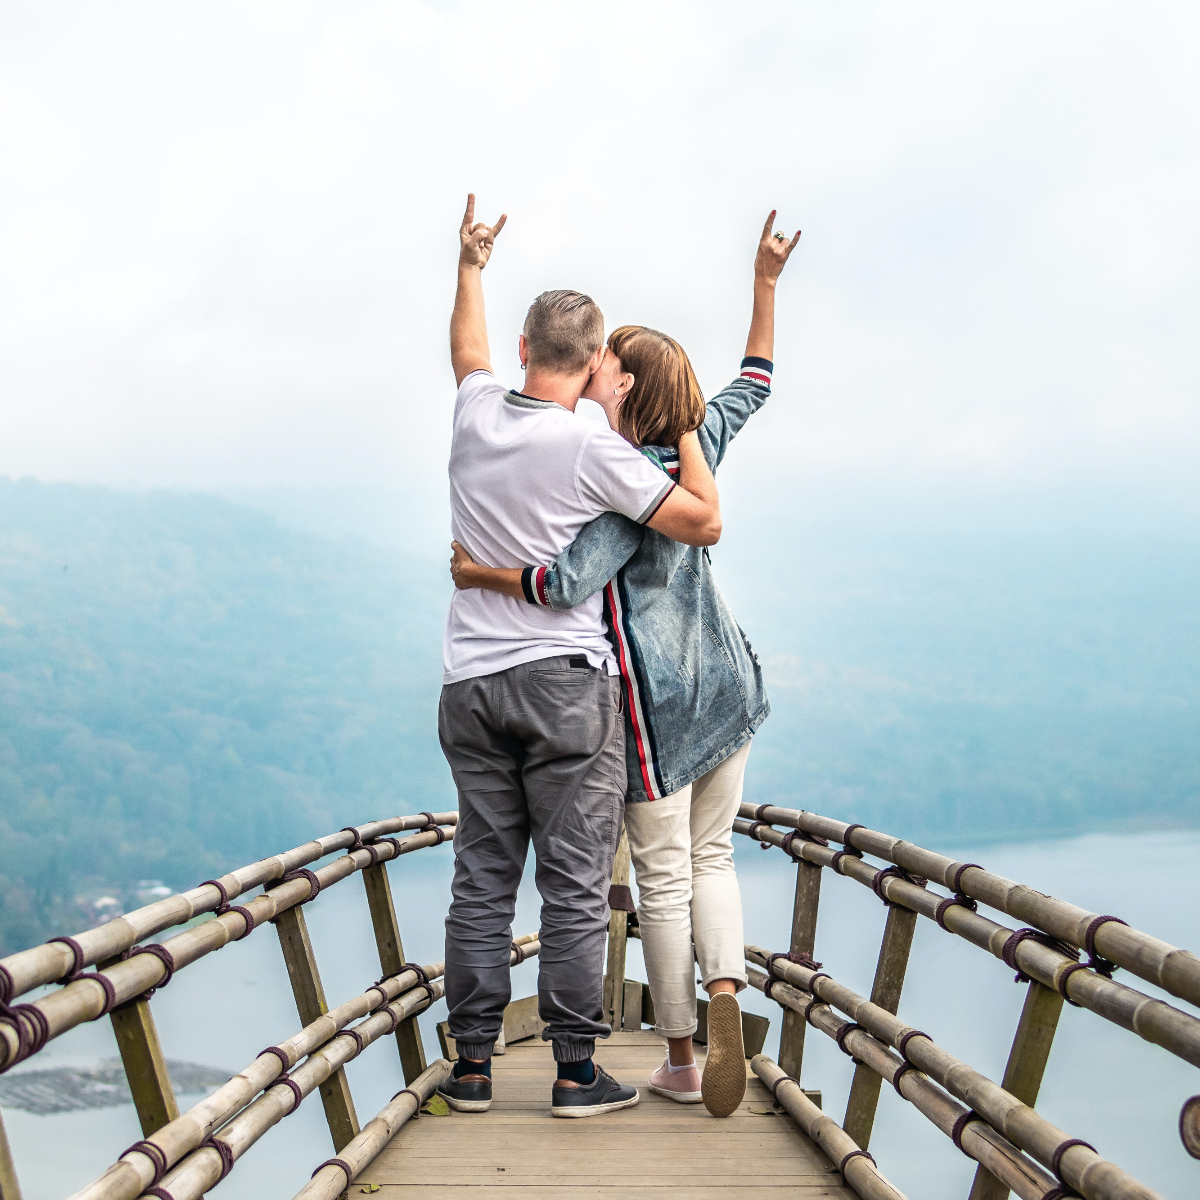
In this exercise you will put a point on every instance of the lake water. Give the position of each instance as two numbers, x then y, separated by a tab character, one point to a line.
1103	1084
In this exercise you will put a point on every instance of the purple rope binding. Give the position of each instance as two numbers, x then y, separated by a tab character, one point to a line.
154	1154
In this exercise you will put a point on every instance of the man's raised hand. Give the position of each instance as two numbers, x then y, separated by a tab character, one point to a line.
477	238
773	252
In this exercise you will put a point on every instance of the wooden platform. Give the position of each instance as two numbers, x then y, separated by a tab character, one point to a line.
658	1149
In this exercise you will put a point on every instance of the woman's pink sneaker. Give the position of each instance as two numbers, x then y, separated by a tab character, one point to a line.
679	1085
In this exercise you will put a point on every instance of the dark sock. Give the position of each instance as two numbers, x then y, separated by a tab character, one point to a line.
578	1072
464	1066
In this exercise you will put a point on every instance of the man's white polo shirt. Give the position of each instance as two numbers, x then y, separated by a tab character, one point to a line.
526	475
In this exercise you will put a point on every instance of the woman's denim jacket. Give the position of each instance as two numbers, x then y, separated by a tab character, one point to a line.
693	686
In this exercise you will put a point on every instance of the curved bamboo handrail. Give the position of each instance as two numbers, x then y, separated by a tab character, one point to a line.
1084	1169
858	1169
185	1157
86	999
207	1165
55	960
137	1169
330	1179
1153	1020
1168	967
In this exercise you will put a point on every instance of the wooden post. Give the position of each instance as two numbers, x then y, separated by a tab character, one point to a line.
1025	1068
391	959
10	1189
310	1004
145	1065
614	975
889	981
804	941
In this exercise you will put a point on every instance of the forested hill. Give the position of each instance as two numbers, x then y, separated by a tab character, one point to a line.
186	686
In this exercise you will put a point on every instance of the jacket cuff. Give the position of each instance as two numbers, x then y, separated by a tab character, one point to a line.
533	584
757	370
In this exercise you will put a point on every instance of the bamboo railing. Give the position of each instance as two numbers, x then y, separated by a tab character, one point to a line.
1017	1149
184	1155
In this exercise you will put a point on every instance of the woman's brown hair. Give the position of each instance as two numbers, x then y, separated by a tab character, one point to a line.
665	401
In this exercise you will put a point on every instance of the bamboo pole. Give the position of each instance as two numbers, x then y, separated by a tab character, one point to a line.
1025	1068
204	1167
134	1172
309	993
803	941
1153	1020
618	924
145	1065
1174	970
52	961
330	1180
858	1171
976	1139
885	992
10	1187
85	999
391	959
1082	1167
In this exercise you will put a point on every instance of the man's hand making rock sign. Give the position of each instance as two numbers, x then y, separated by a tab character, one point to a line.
468	326
477	238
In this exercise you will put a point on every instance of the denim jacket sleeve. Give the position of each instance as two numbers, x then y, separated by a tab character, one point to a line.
602	547
732	407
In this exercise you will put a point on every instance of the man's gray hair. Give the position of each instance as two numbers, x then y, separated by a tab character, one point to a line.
563	329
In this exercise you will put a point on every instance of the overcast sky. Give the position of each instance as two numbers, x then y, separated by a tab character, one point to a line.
229	230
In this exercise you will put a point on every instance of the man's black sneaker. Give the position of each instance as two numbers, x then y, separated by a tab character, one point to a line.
470	1093
603	1095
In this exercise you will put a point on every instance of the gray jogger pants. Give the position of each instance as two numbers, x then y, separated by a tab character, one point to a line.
538	754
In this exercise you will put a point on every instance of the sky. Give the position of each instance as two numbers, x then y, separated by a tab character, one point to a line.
228	234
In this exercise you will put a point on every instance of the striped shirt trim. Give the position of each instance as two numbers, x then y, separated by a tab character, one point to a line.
520	400
657	502
757	370
533	584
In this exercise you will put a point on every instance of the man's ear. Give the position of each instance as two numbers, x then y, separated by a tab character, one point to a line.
595	361
522	350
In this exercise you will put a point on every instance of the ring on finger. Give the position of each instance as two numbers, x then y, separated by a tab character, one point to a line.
781	237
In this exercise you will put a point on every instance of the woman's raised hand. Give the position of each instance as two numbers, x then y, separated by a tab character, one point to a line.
773	252
459	561
477	238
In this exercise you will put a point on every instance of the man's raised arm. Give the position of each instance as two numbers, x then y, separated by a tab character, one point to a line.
468	325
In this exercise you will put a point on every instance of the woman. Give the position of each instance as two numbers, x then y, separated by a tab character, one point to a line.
693	687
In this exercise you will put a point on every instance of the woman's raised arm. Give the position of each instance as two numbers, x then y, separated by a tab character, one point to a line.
773	252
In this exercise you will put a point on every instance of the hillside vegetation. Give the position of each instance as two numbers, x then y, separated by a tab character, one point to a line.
186	685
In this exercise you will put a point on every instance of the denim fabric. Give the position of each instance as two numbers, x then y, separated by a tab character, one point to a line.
694	685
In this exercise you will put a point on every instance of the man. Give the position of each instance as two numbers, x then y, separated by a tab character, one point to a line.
530	716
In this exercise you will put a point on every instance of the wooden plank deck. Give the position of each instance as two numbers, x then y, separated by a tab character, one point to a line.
658	1150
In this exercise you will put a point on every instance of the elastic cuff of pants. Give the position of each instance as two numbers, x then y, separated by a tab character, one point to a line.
476	1050
677	1033
573	1051
738	978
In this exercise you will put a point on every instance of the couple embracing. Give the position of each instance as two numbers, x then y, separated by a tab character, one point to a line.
594	675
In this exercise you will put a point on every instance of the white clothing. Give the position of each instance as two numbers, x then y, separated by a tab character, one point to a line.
526	475
682	851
